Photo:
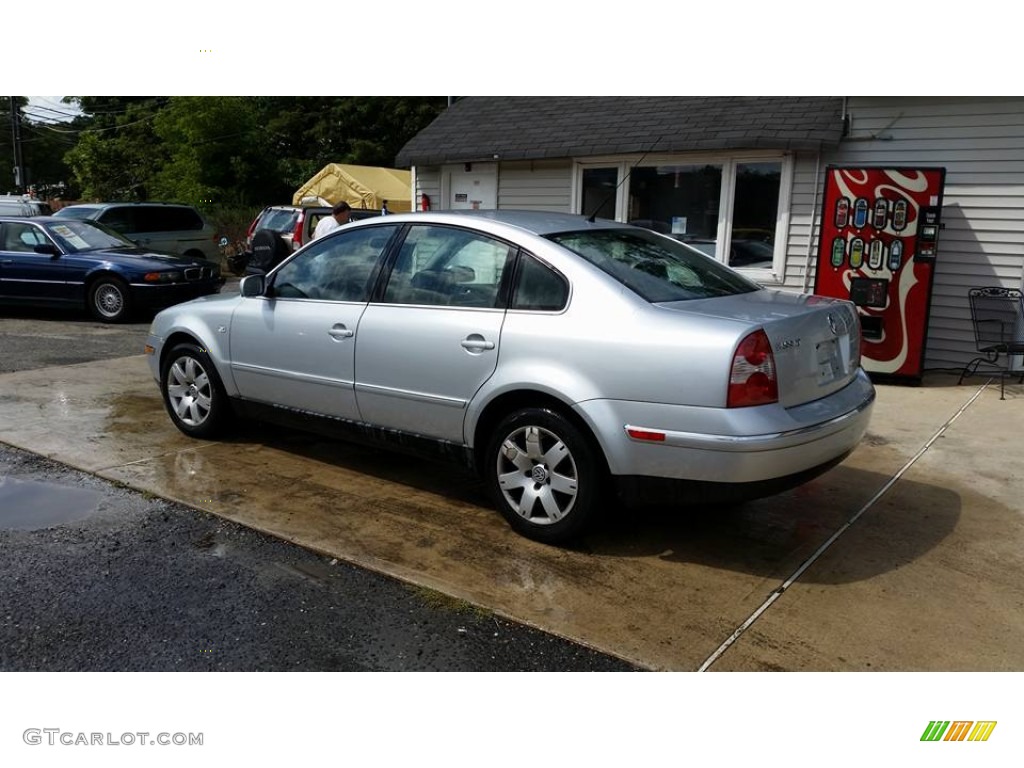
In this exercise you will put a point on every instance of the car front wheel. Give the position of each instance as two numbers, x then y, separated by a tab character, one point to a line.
108	300
544	475
193	393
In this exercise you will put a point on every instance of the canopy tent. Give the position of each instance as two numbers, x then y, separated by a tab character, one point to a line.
361	186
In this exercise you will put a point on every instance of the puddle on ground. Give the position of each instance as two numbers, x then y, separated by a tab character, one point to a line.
29	505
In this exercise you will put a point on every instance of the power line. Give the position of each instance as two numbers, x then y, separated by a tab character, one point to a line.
37	108
81	131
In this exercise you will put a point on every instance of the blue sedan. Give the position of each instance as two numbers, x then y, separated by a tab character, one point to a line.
60	262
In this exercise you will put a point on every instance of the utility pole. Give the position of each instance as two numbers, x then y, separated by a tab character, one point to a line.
19	162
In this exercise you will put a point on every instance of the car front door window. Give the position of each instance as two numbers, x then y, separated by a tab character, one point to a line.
338	268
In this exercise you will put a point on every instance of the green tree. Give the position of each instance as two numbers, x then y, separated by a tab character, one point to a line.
233	150
216	152
117	153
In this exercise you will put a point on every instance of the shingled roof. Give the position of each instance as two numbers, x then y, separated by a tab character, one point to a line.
477	128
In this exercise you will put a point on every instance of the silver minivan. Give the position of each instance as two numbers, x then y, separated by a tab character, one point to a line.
157	226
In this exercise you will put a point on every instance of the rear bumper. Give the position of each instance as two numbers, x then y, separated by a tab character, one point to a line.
639	490
732	446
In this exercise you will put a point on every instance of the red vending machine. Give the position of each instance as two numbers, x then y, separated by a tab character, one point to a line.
879	233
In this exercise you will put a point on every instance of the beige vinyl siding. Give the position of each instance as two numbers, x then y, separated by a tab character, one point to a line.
428	180
980	143
541	185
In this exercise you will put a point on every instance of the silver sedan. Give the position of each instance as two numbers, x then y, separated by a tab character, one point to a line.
558	357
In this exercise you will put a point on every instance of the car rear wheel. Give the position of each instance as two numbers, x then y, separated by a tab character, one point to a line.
193	393
108	300
544	474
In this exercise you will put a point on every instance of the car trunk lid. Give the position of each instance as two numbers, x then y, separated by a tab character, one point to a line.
815	340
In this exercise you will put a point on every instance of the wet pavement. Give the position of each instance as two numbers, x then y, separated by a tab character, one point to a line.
908	556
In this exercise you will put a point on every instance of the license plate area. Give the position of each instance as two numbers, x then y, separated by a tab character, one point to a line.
832	362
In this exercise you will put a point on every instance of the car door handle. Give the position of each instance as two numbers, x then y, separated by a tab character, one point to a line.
339	331
476	343
7	261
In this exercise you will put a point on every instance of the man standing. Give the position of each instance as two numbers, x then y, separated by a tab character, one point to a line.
339	215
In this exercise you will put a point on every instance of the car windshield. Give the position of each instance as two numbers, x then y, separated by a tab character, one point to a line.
77	236
656	267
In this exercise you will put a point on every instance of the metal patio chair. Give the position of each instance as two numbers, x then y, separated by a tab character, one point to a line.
998	318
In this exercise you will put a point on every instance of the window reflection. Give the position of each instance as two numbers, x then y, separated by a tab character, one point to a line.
677	200
755	215
599	192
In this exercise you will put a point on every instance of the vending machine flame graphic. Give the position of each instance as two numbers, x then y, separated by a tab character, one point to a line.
877	246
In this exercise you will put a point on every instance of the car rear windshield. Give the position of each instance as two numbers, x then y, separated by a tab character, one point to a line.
656	267
279	220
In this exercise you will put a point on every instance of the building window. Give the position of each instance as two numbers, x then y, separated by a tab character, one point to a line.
678	200
755	214
597	196
734	208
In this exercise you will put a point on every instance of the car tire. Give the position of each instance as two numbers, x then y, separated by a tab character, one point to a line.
545	475
109	300
193	392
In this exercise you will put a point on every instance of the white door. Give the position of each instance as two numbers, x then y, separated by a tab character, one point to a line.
473	186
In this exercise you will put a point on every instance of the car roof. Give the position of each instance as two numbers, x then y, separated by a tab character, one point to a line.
537	222
22	219
131	204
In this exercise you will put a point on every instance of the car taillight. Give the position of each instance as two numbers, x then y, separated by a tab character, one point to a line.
252	228
752	380
297	232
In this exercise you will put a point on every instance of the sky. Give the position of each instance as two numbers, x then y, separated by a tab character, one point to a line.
49	109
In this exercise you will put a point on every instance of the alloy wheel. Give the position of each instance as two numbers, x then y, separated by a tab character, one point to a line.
189	391
537	475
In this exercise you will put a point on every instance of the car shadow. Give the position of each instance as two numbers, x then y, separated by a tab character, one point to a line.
768	538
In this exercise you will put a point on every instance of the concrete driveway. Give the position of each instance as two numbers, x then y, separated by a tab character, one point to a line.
908	556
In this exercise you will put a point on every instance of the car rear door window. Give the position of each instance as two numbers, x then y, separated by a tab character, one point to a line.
339	268
448	266
182	219
152	219
121	219
538	287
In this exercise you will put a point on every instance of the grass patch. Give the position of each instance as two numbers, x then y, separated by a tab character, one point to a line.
441	602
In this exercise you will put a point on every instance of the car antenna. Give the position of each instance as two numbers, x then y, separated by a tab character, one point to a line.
593	217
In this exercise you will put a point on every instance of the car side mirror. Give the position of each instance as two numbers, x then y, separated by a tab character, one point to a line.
47	248
253	285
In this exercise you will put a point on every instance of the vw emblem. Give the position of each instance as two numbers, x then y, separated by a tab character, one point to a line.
540	474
